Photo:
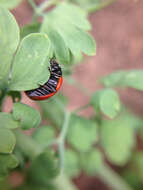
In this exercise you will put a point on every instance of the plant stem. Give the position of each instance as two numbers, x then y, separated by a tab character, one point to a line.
112	179
63	183
33	5
46	4
100	6
32	149
61	141
82	108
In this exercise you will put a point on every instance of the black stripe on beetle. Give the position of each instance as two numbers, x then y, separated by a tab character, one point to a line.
51	86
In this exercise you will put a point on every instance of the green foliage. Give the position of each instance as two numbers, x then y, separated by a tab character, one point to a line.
118	138
82	133
132	179
10	4
43	169
26	115
66	25
92	162
133	79
72	166
107	101
7	141
7	162
53	109
74	143
44	135
31	56
9	39
137	166
30	186
7	121
30	28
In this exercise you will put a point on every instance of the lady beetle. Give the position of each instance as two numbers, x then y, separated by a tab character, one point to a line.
51	86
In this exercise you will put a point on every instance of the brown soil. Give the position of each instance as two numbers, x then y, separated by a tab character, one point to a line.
118	30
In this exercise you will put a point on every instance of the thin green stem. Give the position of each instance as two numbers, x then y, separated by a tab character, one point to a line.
39	10
61	141
46	4
82	108
63	183
33	5
112	179
100	6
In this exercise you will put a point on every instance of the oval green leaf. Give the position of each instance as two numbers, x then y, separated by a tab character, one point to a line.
9	39
26	115
7	121
69	31
109	103
43	168
133	79
7	162
7	141
44	135
92	162
118	139
82	133
30	67
71	166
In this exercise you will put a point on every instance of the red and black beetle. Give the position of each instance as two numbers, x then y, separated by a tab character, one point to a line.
51	86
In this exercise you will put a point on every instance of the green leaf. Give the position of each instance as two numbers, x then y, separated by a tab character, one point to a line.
67	25
7	162
31	186
118	138
7	121
137	164
10	4
9	39
44	135
58	45
131	177
30	28
43	168
84	42
92	162
82	133
71	165
133	79
28	117
30	67
53	109
7	141
74	15
107	101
